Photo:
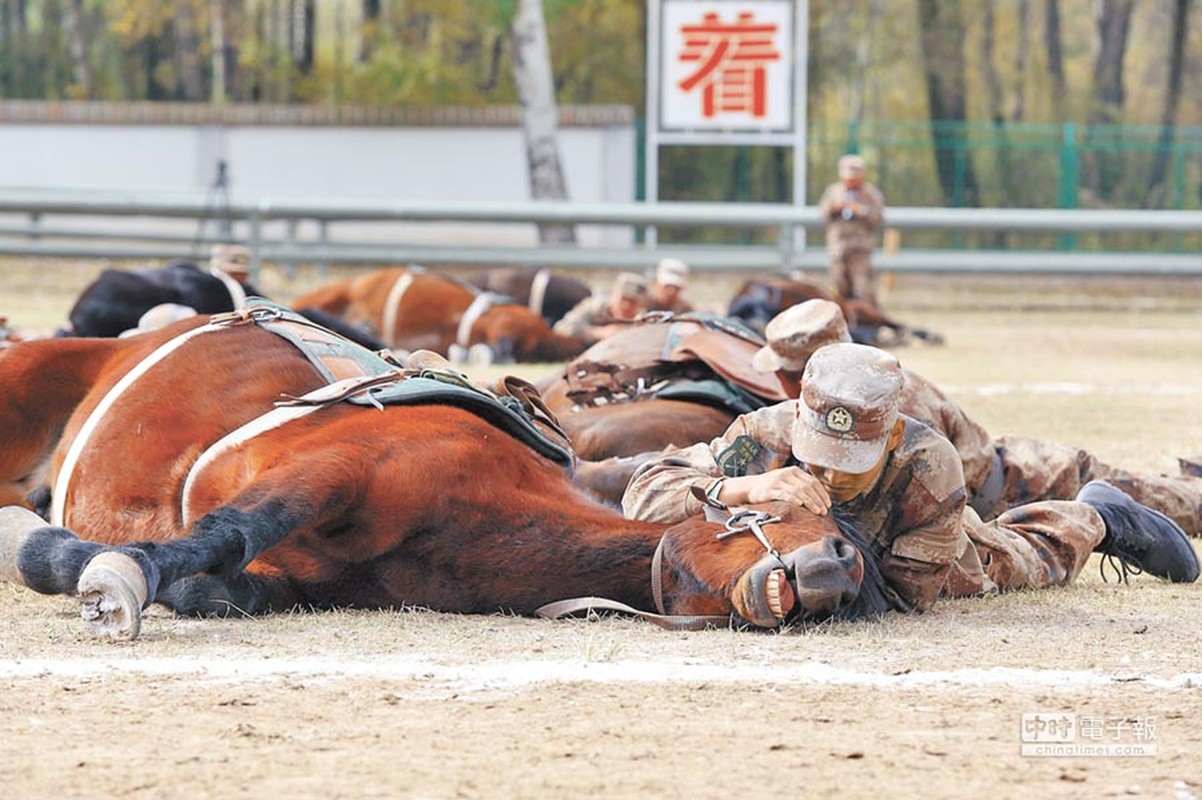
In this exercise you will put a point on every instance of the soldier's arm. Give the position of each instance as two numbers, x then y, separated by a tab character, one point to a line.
920	558
831	203
872	205
754	444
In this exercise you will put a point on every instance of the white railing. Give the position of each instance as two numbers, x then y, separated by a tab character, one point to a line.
26	232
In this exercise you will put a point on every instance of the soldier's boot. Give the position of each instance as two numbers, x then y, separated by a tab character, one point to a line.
1141	539
1191	467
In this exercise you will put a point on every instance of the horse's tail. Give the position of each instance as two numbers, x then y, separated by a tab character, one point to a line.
333	298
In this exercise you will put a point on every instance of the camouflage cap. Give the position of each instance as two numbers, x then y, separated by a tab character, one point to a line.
629	286
160	316
851	163
230	257
672	272
795	333
849	402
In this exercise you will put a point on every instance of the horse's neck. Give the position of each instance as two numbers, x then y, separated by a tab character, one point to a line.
580	547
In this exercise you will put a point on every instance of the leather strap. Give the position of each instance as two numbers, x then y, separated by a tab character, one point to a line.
670	622
62	482
392	304
538	290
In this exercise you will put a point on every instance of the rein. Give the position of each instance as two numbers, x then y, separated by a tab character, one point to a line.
740	521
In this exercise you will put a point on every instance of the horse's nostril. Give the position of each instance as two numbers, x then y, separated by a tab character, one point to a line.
840	549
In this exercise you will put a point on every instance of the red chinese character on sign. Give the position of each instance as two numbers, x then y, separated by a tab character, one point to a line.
731	63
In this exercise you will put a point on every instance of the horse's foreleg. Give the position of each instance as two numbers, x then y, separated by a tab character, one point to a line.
117	584
214	596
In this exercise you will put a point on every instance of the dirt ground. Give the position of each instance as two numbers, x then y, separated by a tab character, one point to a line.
425	705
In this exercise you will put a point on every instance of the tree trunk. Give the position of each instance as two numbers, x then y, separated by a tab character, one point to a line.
186	35
304	41
993	80
218	52
1102	171
532	76
369	31
1113	18
78	49
1156	194
1052	43
943	32
1018	107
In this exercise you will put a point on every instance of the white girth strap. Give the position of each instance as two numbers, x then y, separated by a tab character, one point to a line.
482	303
392	304
272	419
538	291
237	293
62	483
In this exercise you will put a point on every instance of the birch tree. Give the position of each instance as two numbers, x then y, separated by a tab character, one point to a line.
536	92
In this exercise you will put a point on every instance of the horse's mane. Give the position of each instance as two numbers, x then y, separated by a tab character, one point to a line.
875	597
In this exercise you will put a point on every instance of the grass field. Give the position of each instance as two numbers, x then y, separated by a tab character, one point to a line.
419	704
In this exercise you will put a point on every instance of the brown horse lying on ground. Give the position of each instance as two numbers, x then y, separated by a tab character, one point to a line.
760	299
543	292
411	309
656	384
202	492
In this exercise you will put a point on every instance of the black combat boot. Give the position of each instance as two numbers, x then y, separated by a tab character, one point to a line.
1139	536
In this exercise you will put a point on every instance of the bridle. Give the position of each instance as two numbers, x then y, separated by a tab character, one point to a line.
741	520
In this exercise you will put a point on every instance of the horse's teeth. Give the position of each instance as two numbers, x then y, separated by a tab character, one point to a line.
772	587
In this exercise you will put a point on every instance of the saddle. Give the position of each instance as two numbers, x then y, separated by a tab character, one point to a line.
702	358
357	375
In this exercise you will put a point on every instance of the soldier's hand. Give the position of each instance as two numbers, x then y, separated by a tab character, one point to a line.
790	484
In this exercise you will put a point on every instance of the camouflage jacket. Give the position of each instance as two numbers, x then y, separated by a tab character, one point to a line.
926	402
857	232
591	312
912	516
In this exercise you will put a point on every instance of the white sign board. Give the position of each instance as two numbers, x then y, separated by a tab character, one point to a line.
726	65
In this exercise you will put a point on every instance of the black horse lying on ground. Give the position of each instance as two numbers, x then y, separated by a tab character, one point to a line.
117	299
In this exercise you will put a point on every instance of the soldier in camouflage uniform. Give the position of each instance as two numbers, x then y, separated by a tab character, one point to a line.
599	315
999	473
667	290
844	444
852	208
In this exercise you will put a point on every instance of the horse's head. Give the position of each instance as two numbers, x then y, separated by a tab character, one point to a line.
771	572
515	333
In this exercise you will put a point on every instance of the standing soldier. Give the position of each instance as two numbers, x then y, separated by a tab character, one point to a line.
845	445
852	209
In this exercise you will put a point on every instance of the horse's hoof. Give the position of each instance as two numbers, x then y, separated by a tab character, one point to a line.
112	591
16	525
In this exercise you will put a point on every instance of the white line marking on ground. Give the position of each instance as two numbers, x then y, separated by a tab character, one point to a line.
521	674
1078	389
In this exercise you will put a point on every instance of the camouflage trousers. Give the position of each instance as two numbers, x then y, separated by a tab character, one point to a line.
852	274
1030	547
1039	470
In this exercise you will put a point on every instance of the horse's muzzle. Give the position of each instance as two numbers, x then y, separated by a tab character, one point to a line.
812	581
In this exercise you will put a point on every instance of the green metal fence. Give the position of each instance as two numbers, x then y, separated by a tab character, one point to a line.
974	164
